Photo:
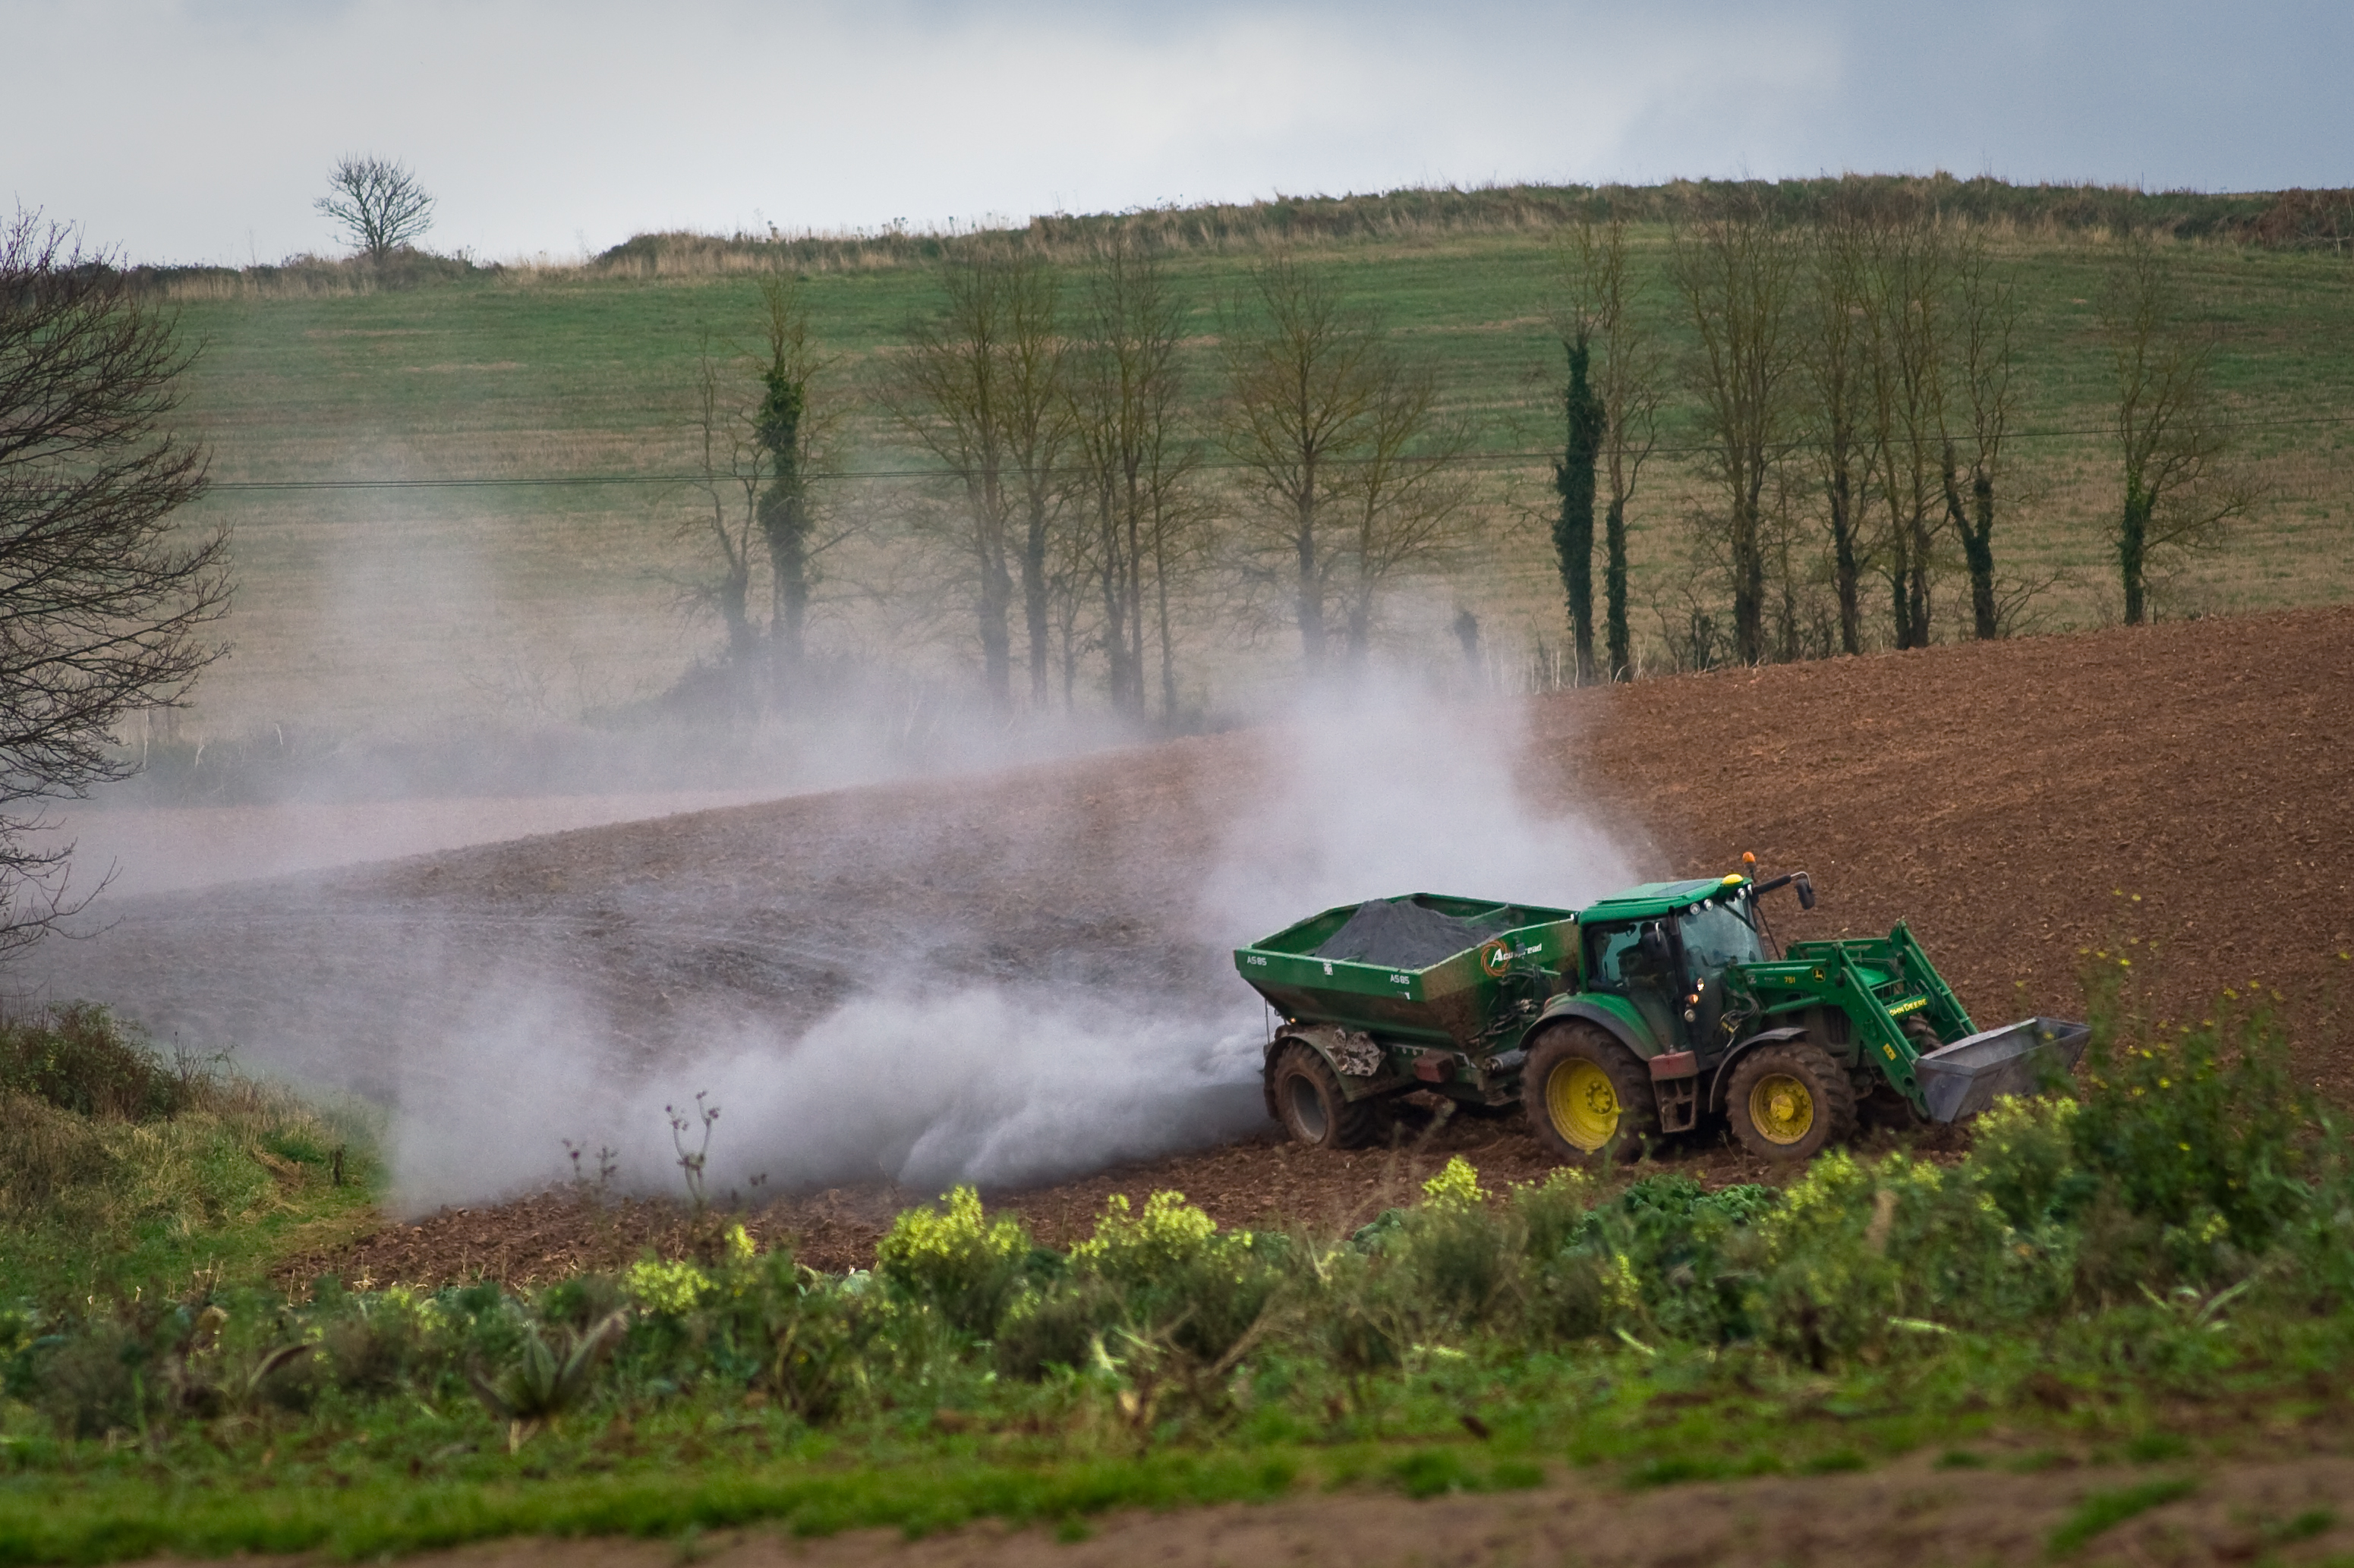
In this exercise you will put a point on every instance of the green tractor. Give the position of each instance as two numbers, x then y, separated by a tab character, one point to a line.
1654	1011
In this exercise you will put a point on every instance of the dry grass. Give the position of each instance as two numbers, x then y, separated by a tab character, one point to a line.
1424	215
1407	216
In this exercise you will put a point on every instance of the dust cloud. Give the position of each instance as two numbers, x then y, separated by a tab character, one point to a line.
1400	788
999	1088
1019	1082
911	993
169	849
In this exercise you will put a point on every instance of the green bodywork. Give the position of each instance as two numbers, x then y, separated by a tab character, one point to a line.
1457	1001
1704	989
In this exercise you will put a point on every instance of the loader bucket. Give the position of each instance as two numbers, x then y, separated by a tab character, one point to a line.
1966	1077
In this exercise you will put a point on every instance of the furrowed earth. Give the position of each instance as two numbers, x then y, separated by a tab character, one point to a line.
2173	795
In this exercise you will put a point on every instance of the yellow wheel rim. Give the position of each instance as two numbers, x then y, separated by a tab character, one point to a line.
1781	1109
1583	1105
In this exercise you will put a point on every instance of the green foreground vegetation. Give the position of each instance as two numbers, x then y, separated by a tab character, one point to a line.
2157	1267
534	596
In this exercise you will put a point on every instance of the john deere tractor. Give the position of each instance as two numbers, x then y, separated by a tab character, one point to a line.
1657	1010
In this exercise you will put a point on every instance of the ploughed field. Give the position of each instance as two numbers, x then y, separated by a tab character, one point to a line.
2176	795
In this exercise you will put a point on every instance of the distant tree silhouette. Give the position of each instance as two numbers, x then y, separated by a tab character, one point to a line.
378	203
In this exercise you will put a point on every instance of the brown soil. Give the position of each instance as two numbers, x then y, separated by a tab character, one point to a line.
2176	793
1907	1515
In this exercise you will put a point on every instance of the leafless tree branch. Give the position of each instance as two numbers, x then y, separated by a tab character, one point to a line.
104	606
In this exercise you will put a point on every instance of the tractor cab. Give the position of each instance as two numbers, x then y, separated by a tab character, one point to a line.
1664	948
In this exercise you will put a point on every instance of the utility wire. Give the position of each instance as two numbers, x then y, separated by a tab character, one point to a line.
587	480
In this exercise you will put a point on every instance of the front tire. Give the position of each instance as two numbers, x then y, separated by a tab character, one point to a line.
1307	1100
1790	1102
1587	1095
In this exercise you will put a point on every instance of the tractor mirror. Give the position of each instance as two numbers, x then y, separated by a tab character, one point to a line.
1805	890
1655	944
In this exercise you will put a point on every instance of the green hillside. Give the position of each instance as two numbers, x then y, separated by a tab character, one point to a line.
375	609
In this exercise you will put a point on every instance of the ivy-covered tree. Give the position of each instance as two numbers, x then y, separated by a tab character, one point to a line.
1573	482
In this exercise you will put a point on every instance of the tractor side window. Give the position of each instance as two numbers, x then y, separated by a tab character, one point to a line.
1622	965
1610	954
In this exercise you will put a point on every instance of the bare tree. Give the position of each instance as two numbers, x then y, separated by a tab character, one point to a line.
1305	377
2175	439
1837	363
1626	382
105	605
1600	302
1407	496
1986	309
734	472
378	203
1904	300
1134	457
1037	415
980	387
1737	271
947	393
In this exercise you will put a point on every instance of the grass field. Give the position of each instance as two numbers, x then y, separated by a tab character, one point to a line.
382	609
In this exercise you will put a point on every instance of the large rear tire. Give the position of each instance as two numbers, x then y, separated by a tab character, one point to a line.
1308	1102
1790	1102
1588	1096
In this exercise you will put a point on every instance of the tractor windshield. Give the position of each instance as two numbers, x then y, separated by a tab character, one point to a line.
1719	934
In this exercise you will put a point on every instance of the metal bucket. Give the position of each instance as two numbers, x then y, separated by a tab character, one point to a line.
1966	1077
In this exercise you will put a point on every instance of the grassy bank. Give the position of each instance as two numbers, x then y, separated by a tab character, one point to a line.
2154	1269
123	1174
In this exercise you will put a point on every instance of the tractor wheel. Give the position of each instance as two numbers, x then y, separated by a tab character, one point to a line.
1790	1102
1587	1095
1308	1101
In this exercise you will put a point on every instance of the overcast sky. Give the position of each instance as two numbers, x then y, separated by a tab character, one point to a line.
202	131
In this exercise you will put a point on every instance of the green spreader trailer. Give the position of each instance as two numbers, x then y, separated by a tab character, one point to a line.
1658	1010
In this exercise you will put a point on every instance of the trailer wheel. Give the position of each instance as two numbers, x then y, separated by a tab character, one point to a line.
1586	1094
1308	1102
1790	1101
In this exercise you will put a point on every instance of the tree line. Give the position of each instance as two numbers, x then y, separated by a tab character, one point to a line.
1846	389
1852	397
1094	478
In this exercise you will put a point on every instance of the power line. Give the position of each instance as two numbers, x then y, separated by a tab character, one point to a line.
591	481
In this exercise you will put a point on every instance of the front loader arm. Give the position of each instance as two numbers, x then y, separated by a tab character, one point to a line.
1876	983
1944	1007
1876	1028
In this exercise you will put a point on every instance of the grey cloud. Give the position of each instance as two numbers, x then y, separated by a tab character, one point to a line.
547	127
